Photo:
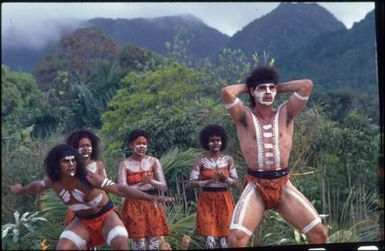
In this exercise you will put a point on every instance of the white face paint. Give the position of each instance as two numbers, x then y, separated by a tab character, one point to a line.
85	151
140	149
215	143
265	91
70	160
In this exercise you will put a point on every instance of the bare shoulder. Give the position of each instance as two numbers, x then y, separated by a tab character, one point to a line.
46	182
100	164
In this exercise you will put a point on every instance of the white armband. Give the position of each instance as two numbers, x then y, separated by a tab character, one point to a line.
202	183
299	96
231	105
107	182
229	181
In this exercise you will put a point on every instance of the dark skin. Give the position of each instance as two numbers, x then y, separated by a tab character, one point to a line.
263	96
69	183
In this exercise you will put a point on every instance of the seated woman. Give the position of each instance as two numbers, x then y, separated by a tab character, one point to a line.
85	193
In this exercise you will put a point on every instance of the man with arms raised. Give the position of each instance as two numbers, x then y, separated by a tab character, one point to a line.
266	137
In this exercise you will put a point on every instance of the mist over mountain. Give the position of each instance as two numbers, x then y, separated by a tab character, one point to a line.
24	47
150	33
305	40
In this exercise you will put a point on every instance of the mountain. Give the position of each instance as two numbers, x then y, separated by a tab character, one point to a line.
22	50
150	33
76	56
341	59
153	33
283	30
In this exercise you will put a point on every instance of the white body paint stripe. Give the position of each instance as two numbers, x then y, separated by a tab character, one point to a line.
75	238
299	96
116	231
241	208
311	225
307	206
231	105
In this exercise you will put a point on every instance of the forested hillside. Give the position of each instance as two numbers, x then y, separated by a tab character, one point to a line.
285	29
153	33
90	79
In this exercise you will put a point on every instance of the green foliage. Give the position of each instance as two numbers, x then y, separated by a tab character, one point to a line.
22	234
336	138
177	49
20	98
78	54
22	162
162	101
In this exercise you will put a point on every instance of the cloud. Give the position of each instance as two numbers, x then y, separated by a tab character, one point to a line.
39	35
36	24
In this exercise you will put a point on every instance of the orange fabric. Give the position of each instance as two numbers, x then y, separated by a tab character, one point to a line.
207	174
269	189
70	216
214	212
142	219
134	178
94	227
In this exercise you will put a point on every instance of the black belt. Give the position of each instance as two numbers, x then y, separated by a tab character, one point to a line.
107	207
269	174
214	189
151	192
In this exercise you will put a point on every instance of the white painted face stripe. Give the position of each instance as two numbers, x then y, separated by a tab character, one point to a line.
311	225
268	146
116	231
269	162
74	237
268	155
259	94
70	158
301	200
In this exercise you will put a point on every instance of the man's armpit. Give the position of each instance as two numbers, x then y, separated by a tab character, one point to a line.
289	118
243	120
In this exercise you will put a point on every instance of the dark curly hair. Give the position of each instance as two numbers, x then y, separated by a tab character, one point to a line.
213	130
261	74
52	163
135	134
74	137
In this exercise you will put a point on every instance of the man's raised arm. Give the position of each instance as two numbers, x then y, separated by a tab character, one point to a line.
301	90
233	105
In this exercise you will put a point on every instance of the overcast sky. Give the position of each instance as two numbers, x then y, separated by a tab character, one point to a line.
28	21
